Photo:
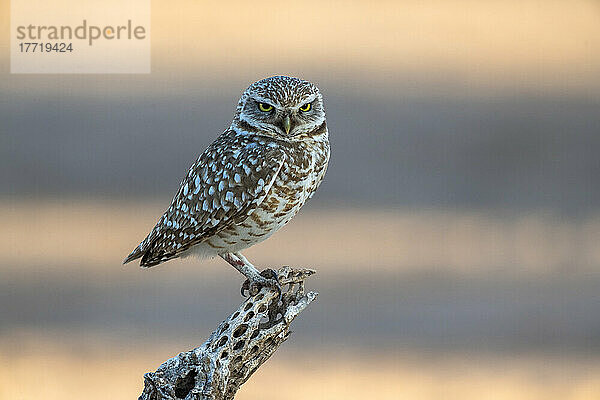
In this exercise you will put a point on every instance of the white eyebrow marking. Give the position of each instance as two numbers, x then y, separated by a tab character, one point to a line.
270	102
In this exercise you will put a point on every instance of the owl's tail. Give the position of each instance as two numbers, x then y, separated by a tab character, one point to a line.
143	249
150	255
134	255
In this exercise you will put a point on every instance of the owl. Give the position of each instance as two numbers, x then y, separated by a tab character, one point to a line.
249	182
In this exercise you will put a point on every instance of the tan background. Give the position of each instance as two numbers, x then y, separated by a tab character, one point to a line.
455	236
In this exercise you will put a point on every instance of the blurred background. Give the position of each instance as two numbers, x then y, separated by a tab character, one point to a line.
455	236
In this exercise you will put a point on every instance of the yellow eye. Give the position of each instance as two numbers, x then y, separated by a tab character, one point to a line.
264	107
305	107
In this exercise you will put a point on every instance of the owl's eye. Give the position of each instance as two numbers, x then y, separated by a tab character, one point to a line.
306	107
264	107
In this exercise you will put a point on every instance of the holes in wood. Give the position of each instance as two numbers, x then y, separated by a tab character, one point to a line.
222	341
239	345
184	385
240	330
224	328
249	316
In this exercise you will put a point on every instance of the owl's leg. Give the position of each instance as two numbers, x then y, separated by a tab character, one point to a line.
255	279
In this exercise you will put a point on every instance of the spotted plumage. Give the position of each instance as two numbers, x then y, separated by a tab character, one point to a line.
250	182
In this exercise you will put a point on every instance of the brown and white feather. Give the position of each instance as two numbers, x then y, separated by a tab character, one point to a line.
246	185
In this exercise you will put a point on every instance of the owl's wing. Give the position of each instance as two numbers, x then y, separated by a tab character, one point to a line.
227	183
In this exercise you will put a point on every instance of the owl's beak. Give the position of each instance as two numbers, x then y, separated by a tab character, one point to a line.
287	124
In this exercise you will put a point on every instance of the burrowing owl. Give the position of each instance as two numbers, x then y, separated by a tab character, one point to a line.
250	182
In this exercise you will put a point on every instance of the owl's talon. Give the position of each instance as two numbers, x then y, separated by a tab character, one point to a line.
245	288
255	288
267	277
272	281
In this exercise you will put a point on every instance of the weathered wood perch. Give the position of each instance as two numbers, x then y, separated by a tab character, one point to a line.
236	349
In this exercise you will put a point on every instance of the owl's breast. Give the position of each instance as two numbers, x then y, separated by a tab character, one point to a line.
294	185
296	182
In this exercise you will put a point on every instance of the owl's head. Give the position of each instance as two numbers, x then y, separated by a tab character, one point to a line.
282	107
